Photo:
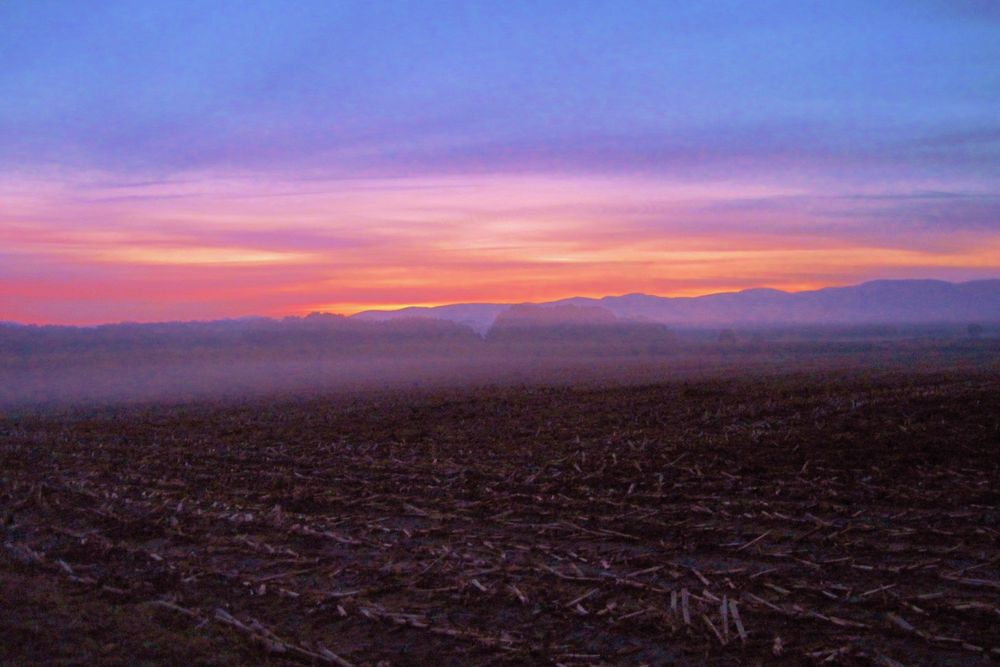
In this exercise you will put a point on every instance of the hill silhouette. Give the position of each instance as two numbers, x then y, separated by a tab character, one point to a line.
875	302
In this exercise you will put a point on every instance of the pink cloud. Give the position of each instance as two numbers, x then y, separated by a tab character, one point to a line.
84	252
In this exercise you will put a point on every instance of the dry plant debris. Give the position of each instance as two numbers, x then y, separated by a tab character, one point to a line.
829	519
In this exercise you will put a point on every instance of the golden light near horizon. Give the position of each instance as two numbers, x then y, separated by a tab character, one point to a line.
325	250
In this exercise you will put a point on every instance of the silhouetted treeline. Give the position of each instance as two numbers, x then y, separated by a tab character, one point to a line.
573	330
314	333
531	330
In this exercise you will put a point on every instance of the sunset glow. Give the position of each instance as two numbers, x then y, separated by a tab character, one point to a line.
207	175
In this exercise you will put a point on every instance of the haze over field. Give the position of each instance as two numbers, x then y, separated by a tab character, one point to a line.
634	338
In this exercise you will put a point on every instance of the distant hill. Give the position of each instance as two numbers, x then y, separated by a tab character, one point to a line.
477	316
873	303
876	302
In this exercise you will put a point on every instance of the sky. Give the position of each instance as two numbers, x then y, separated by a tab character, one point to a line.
191	160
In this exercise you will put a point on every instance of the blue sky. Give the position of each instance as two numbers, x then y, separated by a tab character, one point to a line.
420	86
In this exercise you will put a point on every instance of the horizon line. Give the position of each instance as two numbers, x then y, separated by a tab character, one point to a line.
431	305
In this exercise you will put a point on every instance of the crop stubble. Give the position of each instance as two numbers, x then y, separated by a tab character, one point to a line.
831	518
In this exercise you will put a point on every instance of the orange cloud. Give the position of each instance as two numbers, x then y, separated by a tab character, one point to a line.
208	247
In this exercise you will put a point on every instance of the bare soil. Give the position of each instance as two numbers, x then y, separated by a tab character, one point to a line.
826	518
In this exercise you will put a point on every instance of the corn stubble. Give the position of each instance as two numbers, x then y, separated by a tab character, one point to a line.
826	518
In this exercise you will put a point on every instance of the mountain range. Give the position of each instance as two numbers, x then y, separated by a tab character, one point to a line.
875	302
872	303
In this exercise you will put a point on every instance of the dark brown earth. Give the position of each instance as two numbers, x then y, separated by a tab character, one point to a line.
808	518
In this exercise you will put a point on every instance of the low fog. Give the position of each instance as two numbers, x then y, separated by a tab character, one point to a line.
43	366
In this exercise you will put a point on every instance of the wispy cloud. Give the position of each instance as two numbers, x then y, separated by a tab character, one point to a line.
246	247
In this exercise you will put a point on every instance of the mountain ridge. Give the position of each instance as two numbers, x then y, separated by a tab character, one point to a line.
873	302
884	301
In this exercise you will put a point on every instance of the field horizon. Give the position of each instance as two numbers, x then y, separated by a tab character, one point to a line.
877	301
